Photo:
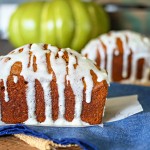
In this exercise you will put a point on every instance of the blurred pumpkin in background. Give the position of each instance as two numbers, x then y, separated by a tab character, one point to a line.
64	23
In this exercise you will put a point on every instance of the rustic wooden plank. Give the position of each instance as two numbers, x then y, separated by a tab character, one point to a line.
13	143
45	144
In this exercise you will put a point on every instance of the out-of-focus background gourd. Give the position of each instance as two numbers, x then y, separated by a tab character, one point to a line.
68	23
64	23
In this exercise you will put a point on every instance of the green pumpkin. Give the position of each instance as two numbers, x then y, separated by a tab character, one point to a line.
64	23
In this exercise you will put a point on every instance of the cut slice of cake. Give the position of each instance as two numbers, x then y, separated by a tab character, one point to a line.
44	85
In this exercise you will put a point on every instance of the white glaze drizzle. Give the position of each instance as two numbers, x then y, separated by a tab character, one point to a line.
126	54
78	92
139	45
111	45
58	65
48	105
102	54
60	73
15	79
30	96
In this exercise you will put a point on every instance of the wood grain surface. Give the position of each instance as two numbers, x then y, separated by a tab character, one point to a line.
13	143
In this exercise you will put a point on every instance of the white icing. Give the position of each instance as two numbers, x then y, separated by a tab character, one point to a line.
102	54
111	45
76	80
126	54
60	73
139	45
5	92
31	102
58	64
15	79
116	52
48	105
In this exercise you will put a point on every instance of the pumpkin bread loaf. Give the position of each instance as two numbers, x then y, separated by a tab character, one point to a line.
124	54
43	85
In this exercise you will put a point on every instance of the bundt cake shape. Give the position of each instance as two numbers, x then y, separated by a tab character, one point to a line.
124	54
45	85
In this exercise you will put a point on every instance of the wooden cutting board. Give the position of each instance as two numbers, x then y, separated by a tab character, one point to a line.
13	143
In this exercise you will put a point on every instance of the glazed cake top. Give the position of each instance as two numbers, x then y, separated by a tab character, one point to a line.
40	61
121	42
131	40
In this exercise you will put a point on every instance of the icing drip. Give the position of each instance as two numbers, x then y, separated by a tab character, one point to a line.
117	52
60	73
75	80
134	67
146	71
31	102
93	45
111	45
102	54
125	56
4	75
34	66
15	79
48	105
133	43
5	92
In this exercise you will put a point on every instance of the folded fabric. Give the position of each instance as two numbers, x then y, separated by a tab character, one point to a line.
130	133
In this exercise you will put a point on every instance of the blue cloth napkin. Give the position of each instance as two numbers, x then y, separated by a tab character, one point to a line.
132	133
